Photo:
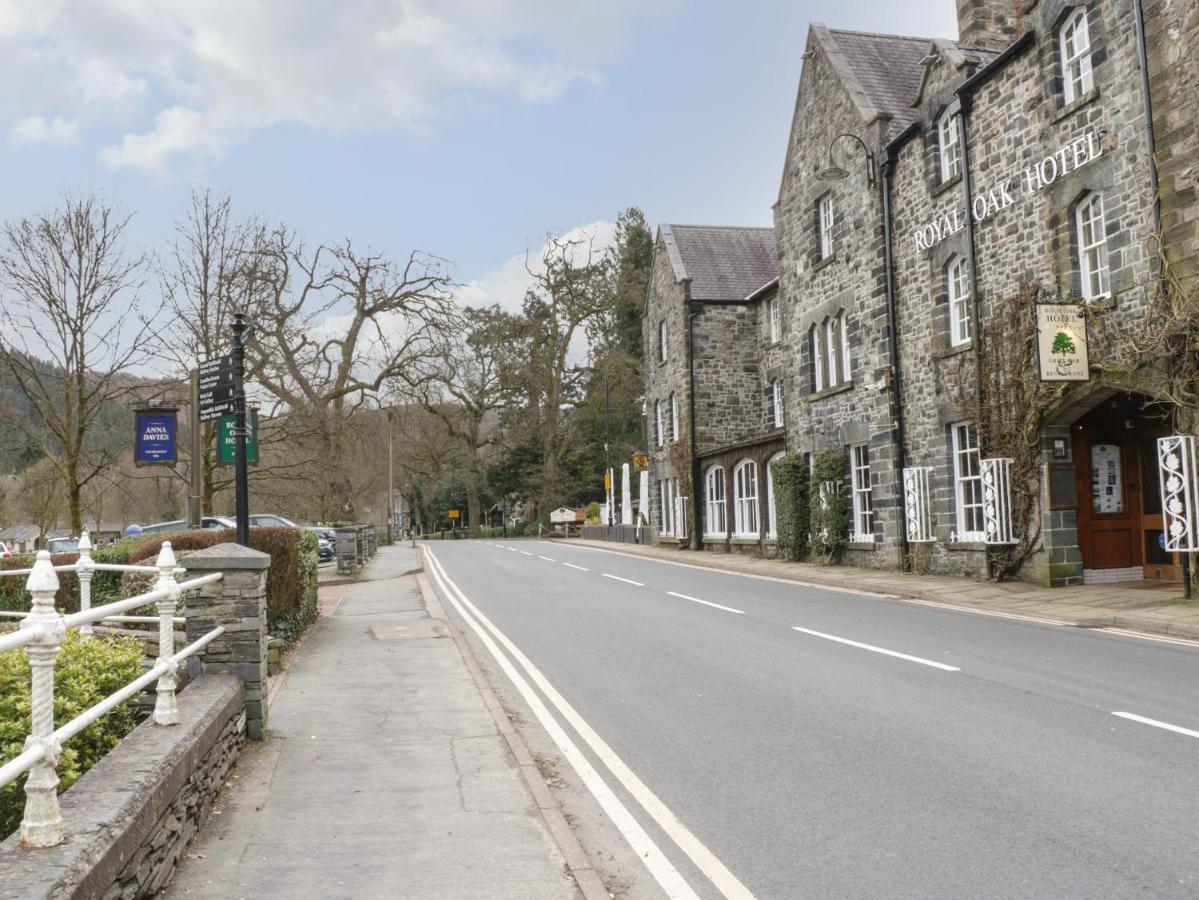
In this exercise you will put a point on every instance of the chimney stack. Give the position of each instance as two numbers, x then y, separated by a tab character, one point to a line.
987	24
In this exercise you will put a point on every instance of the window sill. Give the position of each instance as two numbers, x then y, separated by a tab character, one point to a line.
830	392
945	185
819	264
861	545
1076	104
954	351
966	546
744	540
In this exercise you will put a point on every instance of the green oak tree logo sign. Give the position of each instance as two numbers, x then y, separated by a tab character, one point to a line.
1062	342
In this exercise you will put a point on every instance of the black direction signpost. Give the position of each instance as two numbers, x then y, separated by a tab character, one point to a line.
222	392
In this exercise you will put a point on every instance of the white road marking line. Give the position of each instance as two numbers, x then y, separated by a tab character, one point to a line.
667	876
874	649
573	566
1161	639
525	553
513	549
625	580
706	602
1177	729
546	558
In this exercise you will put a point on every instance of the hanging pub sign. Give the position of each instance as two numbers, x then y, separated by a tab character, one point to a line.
1062	342
155	431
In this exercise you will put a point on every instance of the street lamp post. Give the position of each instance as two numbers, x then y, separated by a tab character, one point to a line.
391	508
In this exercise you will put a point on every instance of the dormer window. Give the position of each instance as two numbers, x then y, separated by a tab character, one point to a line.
1075	41
950	148
825	226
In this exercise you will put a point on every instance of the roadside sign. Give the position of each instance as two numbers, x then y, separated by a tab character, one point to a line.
640	462
155	431
454	514
227	440
216	365
218	387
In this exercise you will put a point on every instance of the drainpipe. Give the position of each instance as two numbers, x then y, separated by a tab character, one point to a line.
896	399
1151	138
693	311
962	103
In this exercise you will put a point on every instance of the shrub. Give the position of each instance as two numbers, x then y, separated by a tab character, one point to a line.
87	671
791	494
829	507
593	513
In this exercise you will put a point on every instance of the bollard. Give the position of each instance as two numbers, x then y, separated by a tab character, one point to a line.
41	825
166	705
84	568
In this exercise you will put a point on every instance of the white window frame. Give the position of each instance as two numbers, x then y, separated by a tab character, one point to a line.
967	484
668	491
846	369
746	522
772	529
816	338
776	402
1092	247
826	220
715	503
957	278
663	331
659	425
949	147
674	417
1074	43
863	496
772	316
831	347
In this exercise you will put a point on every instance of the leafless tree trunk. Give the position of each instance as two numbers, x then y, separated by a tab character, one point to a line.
71	337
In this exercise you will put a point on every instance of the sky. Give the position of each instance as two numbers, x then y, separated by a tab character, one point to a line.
469	129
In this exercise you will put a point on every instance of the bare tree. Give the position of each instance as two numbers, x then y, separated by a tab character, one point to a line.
332	326
571	288
70	334
466	389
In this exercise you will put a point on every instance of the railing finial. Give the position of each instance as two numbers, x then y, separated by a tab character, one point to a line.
42	578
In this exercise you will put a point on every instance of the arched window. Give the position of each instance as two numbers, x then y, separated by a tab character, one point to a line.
1092	247
958	282
1074	41
815	339
950	148
772	523
745	499
715	522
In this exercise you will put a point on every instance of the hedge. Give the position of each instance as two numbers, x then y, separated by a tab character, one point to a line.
87	671
106	586
791	495
829	506
291	580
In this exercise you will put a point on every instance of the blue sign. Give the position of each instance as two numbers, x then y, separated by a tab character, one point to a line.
154	443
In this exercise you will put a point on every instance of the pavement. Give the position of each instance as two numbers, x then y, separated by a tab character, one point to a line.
386	771
775	738
1141	606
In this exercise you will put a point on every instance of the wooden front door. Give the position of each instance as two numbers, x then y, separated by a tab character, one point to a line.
1110	498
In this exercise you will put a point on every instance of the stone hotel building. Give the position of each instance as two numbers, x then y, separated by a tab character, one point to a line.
1041	167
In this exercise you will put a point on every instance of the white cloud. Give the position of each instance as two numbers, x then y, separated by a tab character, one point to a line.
508	284
38	130
187	78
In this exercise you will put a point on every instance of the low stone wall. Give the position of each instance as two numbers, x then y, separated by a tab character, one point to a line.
130	817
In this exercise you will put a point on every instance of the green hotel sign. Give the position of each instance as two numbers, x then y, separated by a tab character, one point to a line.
227	446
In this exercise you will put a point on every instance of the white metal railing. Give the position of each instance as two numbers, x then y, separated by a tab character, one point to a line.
1178	461
998	525
41	632
918	505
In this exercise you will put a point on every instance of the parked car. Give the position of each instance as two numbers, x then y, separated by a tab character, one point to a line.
269	521
62	544
326	541
5	552
218	522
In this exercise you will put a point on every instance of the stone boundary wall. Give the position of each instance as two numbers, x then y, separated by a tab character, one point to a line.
129	819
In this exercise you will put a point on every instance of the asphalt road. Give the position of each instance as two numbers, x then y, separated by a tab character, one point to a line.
887	749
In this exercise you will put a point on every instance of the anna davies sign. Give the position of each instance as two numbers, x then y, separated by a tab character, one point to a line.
154	437
1070	157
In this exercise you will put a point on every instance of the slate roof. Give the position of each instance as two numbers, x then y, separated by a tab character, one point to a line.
887	67
721	262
